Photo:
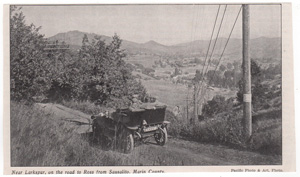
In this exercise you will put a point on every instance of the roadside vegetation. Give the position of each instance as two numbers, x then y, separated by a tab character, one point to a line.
96	73
227	129
40	139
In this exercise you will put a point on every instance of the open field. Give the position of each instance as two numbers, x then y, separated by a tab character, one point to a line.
175	94
145	60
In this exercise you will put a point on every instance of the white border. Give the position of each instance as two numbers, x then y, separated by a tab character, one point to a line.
296	29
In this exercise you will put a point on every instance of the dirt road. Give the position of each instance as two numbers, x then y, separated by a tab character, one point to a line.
175	152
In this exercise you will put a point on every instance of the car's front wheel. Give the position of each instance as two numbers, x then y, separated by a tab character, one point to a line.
161	137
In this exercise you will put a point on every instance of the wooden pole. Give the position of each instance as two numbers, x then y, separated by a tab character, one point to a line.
195	105
187	108
247	117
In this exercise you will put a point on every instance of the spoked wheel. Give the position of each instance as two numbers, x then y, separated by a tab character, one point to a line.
162	137
129	144
100	139
125	140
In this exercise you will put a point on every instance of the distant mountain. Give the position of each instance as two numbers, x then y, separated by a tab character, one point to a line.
260	47
74	38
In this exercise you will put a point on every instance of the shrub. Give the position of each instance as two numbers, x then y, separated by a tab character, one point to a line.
217	105
227	129
259	98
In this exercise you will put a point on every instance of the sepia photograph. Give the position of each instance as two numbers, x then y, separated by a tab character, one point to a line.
155	85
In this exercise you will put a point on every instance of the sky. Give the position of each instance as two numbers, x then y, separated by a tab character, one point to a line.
166	24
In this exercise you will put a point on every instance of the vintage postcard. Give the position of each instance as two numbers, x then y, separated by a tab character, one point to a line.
148	88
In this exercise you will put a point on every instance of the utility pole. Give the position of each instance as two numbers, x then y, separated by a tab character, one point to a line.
187	107
247	117
56	47
194	118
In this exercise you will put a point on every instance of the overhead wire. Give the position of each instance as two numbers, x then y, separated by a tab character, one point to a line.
193	29
212	52
226	42
196	92
215	22
224	48
210	41
200	13
216	40
193	23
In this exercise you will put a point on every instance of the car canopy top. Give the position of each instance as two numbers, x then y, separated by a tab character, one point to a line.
150	112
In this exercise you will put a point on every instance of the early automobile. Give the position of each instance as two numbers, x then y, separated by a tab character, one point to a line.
122	128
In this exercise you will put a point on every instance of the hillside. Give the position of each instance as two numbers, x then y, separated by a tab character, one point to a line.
260	47
52	136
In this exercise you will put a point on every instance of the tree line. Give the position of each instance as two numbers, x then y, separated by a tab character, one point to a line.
97	72
262	93
230	75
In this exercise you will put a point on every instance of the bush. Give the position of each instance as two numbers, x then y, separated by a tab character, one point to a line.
217	105
147	71
259	96
227	129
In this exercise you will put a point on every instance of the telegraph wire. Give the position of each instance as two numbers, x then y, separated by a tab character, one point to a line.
224	48
226	43
216	40
209	61
210	41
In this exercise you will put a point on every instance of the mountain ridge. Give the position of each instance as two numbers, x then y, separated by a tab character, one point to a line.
261	47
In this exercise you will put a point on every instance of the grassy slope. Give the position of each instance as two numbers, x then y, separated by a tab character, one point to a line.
227	130
40	139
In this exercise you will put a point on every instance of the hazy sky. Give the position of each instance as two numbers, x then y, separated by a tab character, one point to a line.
166	24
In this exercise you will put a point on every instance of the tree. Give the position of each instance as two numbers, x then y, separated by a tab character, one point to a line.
228	77
177	71
217	105
236	68
28	74
257	89
229	66
106	75
222	68
197	60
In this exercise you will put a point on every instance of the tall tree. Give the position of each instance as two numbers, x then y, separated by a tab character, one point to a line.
256	88
107	75
27	71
